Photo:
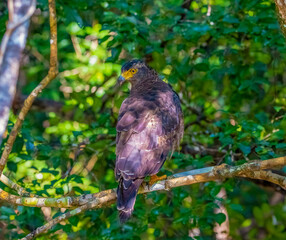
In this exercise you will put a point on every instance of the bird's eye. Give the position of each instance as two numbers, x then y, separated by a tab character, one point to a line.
133	71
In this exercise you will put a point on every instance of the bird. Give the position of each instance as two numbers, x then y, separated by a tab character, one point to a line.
149	128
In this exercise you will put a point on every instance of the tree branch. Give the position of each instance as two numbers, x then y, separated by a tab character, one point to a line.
221	231
267	176
281	12
251	169
53	71
20	190
12	45
16	18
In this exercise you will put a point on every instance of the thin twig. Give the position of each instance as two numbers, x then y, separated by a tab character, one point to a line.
53	71
281	12
20	190
94	204
10	10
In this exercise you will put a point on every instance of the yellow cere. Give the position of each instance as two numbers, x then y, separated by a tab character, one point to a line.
129	74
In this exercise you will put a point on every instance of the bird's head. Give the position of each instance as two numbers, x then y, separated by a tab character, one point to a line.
133	71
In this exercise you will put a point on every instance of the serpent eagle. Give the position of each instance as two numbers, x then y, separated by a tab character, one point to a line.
149	127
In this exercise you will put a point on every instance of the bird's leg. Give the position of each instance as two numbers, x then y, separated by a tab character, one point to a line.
155	178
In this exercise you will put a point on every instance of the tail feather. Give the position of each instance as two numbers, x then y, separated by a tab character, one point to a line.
126	197
124	215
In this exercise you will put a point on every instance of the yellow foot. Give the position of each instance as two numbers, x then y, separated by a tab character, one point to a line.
155	178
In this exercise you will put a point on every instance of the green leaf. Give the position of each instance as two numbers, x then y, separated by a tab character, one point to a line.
281	145
7	211
18	145
220	218
215	190
236	207
12	166
202	67
59	191
74	220
115	52
244	148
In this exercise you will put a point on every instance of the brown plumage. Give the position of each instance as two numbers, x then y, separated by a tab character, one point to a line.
150	126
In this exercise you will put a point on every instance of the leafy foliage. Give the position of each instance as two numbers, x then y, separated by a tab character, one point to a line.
227	61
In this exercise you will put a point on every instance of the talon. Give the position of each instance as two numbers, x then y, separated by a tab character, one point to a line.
155	178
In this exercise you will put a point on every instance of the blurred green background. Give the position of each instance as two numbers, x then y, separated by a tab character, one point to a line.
226	59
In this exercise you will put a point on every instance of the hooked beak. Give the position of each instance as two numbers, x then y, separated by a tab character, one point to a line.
120	80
